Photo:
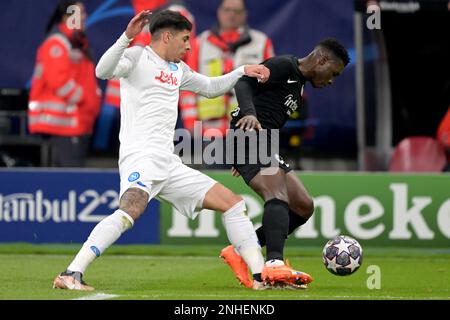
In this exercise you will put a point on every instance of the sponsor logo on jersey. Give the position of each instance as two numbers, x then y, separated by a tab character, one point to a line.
235	112
167	78
134	176
291	81
291	104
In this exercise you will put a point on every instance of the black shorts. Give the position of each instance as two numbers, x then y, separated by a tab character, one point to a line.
249	156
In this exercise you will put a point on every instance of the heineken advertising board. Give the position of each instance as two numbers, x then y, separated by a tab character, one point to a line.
377	209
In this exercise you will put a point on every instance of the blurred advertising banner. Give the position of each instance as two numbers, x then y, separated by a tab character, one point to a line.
63	206
377	209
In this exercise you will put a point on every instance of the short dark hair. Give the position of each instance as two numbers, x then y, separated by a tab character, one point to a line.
336	48
169	19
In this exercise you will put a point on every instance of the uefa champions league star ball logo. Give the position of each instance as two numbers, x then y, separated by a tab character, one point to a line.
342	256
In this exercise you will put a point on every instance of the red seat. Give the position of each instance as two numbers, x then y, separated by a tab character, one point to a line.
418	154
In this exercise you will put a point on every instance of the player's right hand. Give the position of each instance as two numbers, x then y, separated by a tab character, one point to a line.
248	123
258	71
137	24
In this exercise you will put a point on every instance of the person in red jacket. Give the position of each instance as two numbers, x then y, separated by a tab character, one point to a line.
65	97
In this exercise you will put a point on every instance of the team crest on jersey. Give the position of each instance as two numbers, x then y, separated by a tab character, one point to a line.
134	176
167	78
173	66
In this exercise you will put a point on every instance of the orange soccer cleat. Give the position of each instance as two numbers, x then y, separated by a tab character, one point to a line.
285	273
71	281
237	264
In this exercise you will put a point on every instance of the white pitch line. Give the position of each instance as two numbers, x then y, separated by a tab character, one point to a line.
98	296
162	295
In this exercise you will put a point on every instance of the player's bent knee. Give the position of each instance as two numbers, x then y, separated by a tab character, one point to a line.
309	208
133	202
304	207
232	199
276	195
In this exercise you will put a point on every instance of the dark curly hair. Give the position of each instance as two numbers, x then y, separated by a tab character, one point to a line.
169	19
336	48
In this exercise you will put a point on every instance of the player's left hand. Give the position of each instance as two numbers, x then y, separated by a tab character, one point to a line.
249	123
234	172
262	73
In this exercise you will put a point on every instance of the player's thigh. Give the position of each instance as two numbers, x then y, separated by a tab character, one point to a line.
270	183
137	188
299	199
186	190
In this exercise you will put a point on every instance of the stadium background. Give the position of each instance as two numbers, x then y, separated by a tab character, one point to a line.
295	27
41	206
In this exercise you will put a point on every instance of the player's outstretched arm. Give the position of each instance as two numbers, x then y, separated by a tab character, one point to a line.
118	61
212	87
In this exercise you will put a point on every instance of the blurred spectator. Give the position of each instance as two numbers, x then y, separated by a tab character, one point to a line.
443	136
108	125
64	97
229	44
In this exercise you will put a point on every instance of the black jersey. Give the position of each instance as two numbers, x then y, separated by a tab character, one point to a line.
275	100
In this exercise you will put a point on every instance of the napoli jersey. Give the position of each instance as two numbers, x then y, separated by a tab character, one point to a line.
149	90
149	106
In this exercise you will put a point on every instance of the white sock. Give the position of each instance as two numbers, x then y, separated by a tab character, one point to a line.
274	263
242	236
105	233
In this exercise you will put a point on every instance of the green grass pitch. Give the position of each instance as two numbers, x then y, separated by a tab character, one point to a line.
196	273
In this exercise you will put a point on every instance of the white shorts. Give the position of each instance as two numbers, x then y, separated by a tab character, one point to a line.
184	187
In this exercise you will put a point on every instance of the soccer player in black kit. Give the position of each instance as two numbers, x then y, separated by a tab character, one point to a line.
265	106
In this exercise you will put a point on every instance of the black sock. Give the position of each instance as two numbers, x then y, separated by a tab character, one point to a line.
295	221
276	227
257	277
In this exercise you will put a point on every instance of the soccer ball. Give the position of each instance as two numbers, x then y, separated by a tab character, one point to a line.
342	255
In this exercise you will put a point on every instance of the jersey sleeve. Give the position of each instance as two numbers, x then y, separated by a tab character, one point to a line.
245	90
209	87
118	61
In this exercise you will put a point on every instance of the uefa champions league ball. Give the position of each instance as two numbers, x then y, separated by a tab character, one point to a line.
342	255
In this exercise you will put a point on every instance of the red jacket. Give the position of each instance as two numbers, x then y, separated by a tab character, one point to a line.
64	97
